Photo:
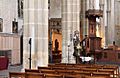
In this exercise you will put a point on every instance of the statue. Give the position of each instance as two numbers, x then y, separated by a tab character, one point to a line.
56	45
15	26
77	47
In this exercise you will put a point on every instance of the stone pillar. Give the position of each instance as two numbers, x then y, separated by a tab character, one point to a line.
91	4
110	22
96	4
102	23
35	27
117	22
70	23
83	19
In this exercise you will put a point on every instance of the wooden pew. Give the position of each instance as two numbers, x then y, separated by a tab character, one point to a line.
53	76
64	72
109	68
95	77
82	71
113	67
32	70
67	72
16	75
86	73
99	74
84	65
43	67
33	75
73	76
59	68
47	71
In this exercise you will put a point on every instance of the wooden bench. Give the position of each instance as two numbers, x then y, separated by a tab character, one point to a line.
16	75
86	67
53	76
77	69
47	71
32	70
33	75
44	67
104	74
91	67
86	73
95	77
64	72
73	76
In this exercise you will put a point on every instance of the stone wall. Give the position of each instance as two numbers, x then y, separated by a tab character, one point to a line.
55	8
9	11
11	42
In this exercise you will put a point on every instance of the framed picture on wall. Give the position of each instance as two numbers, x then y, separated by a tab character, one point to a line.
14	27
1	24
20	8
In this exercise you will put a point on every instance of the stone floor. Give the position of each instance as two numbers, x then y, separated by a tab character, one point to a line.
5	73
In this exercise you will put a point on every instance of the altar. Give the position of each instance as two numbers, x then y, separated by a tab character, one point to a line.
3	62
86	59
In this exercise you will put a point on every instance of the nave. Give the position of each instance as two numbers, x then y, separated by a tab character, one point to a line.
64	70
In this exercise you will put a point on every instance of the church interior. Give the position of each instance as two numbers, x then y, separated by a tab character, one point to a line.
60	38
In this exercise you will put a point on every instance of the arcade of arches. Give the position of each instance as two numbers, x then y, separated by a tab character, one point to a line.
53	30
65	17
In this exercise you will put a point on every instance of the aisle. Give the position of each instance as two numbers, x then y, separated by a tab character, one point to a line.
5	73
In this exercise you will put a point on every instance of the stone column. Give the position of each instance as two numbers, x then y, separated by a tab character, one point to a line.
117	22
102	22
110	22
70	23
35	27
91	4
83	19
